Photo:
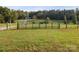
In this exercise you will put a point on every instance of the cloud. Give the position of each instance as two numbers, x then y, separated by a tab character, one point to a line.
39	3
35	8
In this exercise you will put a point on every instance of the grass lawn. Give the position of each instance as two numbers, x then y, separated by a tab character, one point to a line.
40	40
9	24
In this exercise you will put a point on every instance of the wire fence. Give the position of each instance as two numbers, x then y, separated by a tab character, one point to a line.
24	24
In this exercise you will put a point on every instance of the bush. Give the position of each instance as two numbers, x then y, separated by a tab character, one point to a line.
1	18
33	22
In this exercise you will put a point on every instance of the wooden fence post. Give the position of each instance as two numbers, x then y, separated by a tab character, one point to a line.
7	25
76	17
77	25
26	25
65	18
52	25
58	25
45	25
46	22
33	24
65	21
39	25
17	25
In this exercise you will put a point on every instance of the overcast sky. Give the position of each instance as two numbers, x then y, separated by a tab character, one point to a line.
34	5
39	2
35	8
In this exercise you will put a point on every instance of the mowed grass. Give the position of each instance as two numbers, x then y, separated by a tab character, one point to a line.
40	40
9	24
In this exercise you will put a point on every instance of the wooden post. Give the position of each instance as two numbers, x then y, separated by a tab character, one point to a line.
32	25
7	25
26	25
39	25
58	25
17	25
76	20
65	19
46	22
45	25
52	25
76	17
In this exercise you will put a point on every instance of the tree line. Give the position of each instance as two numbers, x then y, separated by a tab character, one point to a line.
10	15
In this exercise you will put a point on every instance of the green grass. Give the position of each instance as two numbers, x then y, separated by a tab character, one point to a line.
5	24
40	40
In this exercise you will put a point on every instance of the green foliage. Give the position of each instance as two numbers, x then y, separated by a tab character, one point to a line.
74	21
5	13
9	15
33	22
1	19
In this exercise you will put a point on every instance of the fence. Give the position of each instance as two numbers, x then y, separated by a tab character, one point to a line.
31	24
24	24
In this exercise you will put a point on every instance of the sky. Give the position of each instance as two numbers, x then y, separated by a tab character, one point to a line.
34	5
39	2
36	8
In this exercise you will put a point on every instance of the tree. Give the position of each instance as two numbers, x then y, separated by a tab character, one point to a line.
13	16
1	19
10	15
34	17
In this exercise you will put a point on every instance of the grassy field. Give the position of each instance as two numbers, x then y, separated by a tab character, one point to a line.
40	40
